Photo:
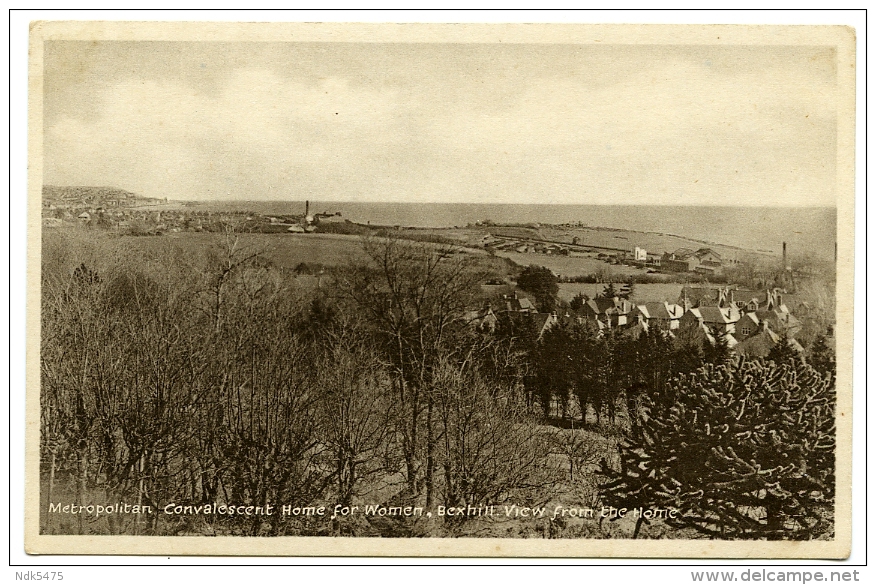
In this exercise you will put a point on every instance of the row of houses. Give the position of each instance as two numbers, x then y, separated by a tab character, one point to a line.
750	326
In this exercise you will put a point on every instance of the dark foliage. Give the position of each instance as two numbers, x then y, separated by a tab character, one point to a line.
746	451
542	284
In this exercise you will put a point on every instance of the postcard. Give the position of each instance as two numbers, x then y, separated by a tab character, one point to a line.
440	290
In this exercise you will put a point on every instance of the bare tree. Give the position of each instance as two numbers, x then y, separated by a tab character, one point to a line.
490	453
413	294
356	409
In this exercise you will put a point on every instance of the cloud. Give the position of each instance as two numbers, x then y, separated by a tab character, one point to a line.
671	129
675	132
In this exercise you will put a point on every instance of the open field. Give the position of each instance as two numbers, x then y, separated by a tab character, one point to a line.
655	243
600	239
569	265
285	250
642	293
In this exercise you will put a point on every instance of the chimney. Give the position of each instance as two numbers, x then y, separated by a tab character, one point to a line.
306	208
784	255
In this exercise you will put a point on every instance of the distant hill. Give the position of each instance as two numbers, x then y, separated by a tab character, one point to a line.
93	195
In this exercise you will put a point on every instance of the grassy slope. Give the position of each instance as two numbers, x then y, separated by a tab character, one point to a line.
600	238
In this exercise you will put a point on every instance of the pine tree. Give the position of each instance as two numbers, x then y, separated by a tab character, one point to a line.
578	301
784	351
822	358
608	292
747	452
718	352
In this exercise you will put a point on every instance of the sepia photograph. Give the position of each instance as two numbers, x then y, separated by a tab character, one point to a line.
440	290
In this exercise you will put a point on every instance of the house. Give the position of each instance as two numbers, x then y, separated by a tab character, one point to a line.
744	299
513	304
682	260
664	315
777	314
692	297
762	342
716	296
708	258
749	324
687	260
722	319
612	312
779	320
639	254
747	300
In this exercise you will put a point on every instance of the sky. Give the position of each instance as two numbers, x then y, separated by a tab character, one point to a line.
429	122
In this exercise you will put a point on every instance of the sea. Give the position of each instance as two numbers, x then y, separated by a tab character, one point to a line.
807	230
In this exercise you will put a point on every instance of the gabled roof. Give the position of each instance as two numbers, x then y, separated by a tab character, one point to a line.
703	251
541	322
746	296
683	253
715	315
612	306
661	310
525	303
600	305
751	316
700	294
778	319
759	344
518	304
695	313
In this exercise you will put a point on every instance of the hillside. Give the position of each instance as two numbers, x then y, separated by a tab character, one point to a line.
76	195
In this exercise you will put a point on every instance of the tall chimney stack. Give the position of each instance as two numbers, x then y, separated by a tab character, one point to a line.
784	255
307	208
